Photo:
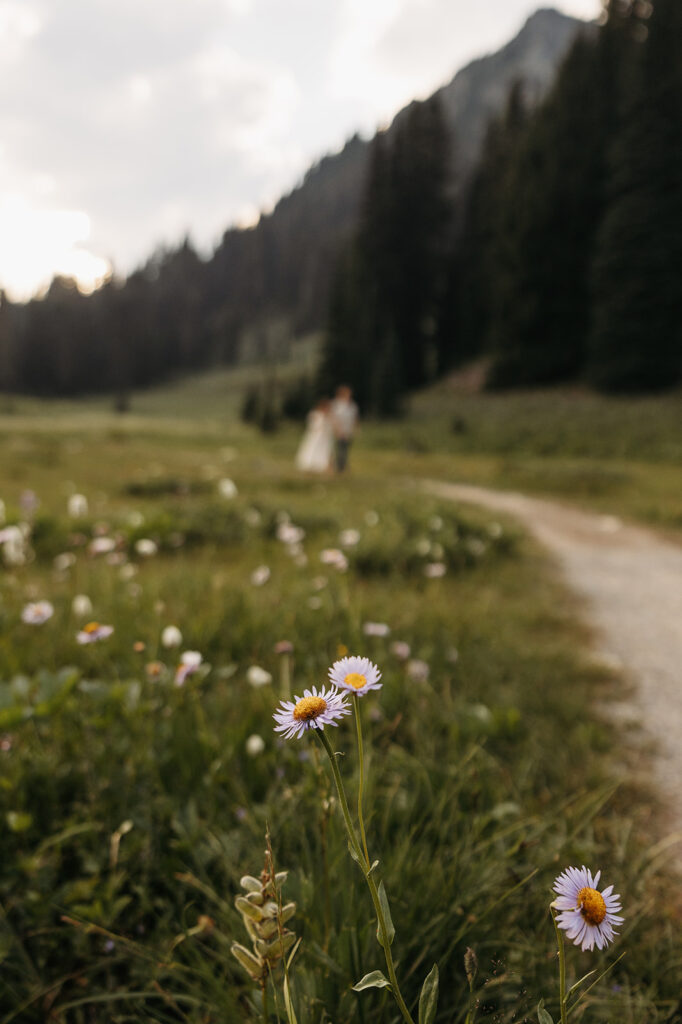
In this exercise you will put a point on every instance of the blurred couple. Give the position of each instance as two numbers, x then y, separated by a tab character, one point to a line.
329	432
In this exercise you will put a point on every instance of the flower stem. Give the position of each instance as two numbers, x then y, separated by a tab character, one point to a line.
369	878
361	783
562	968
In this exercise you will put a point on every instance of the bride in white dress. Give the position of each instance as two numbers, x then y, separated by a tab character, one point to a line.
314	453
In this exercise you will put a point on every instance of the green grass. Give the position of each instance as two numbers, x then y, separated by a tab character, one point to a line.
131	807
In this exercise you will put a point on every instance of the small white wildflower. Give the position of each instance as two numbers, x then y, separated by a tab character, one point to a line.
227	488
64	561
255	745
417	670
257	676
171	636
37	612
260	575
434	570
81	606
376	629
349	538
146	547
77	506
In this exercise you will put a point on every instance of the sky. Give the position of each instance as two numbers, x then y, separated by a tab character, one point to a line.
128	124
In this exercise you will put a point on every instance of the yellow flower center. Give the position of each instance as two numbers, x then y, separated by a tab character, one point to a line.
308	708
591	905
355	680
91	627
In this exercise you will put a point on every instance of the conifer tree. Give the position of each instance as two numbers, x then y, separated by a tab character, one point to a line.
552	202
636	341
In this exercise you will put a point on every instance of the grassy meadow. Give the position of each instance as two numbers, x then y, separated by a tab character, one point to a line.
131	806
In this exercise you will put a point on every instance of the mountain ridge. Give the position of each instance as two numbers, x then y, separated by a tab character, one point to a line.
294	247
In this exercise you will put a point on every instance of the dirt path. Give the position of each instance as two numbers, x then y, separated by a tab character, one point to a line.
631	582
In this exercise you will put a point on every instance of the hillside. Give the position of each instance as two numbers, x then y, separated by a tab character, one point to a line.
289	255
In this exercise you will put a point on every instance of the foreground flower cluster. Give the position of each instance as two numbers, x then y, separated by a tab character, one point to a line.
586	914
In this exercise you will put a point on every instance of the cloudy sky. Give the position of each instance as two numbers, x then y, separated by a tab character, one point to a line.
125	124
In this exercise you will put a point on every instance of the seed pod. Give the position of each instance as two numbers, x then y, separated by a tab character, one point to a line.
256	898
277	947
288	910
470	964
248	909
250	883
248	961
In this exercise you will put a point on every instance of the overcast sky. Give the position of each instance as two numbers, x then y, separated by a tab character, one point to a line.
125	124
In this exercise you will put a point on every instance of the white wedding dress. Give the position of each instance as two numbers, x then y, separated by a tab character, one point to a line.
315	450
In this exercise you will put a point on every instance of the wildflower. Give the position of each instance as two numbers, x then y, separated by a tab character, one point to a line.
349	538
139	646
146	547
401	649
3	512
417	670
93	632
14	547
435	523
227	488
260	575
101	545
290	534
376	629
190	662
255	745
81	606
37	612
434	570
135	519
284	647
29	502
154	670
586	915
334	557
257	676
77	506
171	637
64	561
311	711
355	675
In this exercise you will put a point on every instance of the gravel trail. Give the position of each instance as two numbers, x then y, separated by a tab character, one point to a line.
630	581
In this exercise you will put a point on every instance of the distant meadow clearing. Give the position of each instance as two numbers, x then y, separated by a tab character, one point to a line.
141	777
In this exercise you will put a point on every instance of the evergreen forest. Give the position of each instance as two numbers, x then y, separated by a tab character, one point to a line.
556	260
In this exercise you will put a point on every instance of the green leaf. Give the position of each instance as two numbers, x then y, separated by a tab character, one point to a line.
577	985
288	1005
351	850
543	1016
375	979
390	930
428	997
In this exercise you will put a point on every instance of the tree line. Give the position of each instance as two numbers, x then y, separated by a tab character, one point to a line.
560	262
557	262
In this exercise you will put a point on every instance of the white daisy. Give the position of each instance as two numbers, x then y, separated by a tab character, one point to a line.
355	675
586	915
37	612
171	636
81	606
376	629
190	662
311	711
93	632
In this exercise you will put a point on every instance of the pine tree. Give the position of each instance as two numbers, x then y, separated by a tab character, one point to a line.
552	202
636	341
